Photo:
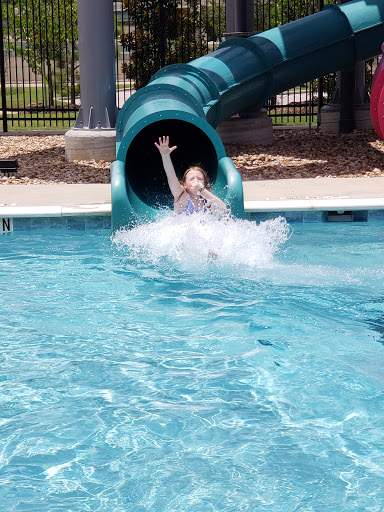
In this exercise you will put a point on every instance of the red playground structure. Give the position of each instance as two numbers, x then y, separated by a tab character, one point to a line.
377	97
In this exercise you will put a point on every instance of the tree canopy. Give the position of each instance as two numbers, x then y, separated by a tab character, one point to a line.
163	32
44	34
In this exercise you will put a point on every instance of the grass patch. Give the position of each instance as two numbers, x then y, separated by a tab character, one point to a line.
293	120
22	97
39	125
33	114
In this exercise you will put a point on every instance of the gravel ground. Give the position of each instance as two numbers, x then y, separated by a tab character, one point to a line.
294	154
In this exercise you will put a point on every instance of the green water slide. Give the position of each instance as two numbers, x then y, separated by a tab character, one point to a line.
188	101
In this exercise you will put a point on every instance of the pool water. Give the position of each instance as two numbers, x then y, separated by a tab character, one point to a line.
195	365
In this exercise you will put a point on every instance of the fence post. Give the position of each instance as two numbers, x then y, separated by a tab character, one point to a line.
2	77
163	40
94	135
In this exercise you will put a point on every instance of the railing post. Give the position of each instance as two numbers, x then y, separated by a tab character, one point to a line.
163	37
2	76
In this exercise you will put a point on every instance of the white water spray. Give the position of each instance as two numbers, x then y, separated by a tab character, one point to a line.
195	240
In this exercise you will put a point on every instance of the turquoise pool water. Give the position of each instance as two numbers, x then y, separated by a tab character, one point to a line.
204	367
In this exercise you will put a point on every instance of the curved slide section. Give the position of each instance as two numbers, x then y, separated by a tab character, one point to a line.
188	101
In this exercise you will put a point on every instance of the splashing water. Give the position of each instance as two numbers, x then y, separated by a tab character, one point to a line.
193	240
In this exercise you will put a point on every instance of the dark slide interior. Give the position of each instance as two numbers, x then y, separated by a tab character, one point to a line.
143	165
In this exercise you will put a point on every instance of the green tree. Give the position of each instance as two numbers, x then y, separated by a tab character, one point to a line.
163	32
272	14
44	34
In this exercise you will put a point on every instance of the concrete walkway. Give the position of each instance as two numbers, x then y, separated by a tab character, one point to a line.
259	196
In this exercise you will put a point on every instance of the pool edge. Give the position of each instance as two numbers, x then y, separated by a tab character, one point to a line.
299	200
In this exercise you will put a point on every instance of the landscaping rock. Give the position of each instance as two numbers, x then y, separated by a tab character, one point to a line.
294	154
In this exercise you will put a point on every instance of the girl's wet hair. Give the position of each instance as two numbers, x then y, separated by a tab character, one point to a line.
193	168
196	168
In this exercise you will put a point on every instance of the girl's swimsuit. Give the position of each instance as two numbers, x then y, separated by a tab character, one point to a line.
191	208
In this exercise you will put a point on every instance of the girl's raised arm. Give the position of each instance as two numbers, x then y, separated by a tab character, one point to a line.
165	152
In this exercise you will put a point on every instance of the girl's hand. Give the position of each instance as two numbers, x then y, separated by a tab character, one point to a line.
163	146
197	187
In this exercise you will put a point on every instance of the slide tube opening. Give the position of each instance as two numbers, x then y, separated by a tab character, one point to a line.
145	175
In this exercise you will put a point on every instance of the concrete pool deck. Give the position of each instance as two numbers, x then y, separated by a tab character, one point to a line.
312	194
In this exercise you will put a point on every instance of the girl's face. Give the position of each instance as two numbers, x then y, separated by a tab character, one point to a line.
193	178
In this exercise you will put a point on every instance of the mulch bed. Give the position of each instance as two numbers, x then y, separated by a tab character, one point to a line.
294	154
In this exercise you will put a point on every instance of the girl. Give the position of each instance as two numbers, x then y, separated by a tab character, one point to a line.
192	194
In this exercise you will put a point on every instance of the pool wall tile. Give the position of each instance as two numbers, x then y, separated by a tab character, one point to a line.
263	216
76	223
58	222
314	216
294	216
21	224
376	214
98	222
360	216
84	222
40	222
63	222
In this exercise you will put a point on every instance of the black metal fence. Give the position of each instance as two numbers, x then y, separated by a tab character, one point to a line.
39	61
39	74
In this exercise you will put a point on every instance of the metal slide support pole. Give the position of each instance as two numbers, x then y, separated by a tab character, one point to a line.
347	101
239	18
97	64
240	22
320	81
347	97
